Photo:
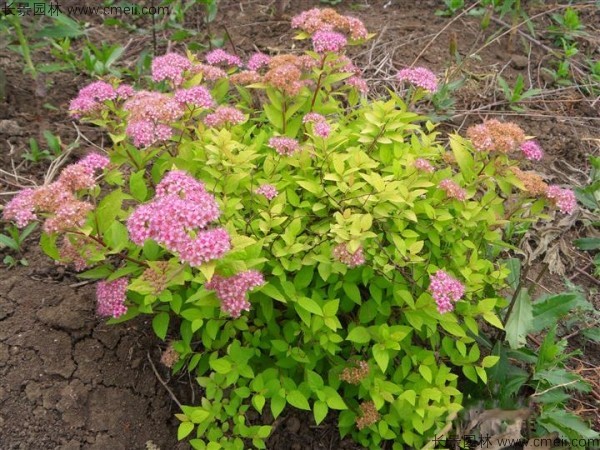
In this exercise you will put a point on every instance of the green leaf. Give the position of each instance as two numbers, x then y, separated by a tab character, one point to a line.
352	291
258	401
137	186
108	209
425	372
359	335
514	266
270	290
333	399
551	309
48	244
320	411
220	365
310	305
490	361
160	324
463	157
381	356
277	404
298	400
116	237
520	321
185	428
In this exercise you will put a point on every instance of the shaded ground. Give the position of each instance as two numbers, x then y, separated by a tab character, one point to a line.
71	382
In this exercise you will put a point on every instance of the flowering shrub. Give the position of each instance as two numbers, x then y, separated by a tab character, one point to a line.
318	249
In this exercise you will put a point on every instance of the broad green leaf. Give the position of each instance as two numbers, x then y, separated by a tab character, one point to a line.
160	324
185	428
298	400
520	321
320	411
359	335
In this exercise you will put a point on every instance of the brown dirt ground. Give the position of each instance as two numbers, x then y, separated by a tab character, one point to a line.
72	382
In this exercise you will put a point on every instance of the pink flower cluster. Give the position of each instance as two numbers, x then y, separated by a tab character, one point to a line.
91	98
220	56
424	165
177	219
58	198
197	96
110	298
267	190
284	145
420	77
210	73
328	19
150	114
358	83
328	41
453	190
532	150
257	61
564	199
342	254
224	115
493	135
231	291
170	67
125	91
445	290
320	126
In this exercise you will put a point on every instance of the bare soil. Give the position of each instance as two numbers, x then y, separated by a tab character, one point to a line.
69	381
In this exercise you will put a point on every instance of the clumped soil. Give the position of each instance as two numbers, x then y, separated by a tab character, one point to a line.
70	381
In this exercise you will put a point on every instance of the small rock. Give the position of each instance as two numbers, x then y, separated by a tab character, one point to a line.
11	128
519	62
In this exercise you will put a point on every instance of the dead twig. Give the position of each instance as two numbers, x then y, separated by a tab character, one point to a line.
173	397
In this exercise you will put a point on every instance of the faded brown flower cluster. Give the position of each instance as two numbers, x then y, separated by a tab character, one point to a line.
169	357
493	135
369	415
156	276
285	73
354	375
534	184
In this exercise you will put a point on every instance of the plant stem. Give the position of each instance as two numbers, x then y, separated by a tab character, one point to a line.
16	23
319	81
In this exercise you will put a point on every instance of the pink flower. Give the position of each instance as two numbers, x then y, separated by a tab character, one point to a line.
170	67
358	83
224	115
220	56
21	208
258	60
210	73
564	199
453	190
420	77
94	161
177	219
197	96
145	133
356	28
91	98
424	165
232	291
481	137
153	106
321	128
328	41
268	190
110	298
76	177
206	246
284	145
532	150
125	91
445	290
68	216
342	254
